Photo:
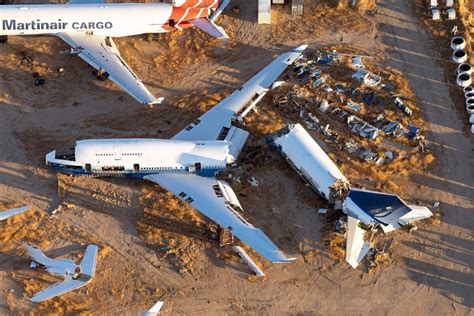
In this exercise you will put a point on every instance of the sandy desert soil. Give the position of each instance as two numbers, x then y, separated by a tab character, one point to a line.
154	247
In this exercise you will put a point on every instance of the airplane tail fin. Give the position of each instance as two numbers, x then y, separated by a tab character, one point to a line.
387	210
210	28
356	246
89	260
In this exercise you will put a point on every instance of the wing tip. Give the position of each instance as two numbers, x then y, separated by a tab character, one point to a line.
300	48
156	101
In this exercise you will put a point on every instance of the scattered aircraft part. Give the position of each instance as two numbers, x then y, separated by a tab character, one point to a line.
464	67
323	211
186	165
253	182
459	56
451	14
154	310
458	42
303	153
464	80
75	276
472	129
435	14
449	3
356	246
471	118
357	62
88	27
243	254
309	161
12	212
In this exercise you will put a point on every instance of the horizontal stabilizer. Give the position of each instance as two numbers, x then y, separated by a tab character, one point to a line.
210	28
356	246
12	212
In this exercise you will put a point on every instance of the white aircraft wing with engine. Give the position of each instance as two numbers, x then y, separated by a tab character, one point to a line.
101	53
216	124
12	212
217	201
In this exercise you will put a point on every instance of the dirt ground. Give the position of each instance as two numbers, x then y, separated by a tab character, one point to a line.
154	247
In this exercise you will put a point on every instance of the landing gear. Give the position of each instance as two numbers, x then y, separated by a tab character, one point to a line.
3	39
101	74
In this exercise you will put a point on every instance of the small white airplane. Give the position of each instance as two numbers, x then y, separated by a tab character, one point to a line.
75	276
12	212
89	25
187	163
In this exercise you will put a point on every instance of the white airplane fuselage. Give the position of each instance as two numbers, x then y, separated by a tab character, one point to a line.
139	157
114	20
60	267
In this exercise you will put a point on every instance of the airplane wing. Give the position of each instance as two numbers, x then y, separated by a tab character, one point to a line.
12	212
356	246
89	261
218	120
217	201
101	53
56	289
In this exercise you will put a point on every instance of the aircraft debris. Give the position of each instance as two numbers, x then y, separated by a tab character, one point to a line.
402	106
243	254
4	215
75	276
322	210
253	182
371	208
361	127
154	310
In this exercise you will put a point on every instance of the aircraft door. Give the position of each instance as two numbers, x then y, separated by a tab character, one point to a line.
117	152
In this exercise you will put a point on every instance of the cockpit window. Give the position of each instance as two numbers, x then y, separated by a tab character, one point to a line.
66	154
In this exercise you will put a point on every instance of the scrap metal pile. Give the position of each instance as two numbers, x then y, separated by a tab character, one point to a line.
353	107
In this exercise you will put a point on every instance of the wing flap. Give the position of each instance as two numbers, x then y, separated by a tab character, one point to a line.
211	124
207	197
101	53
12	212
57	289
